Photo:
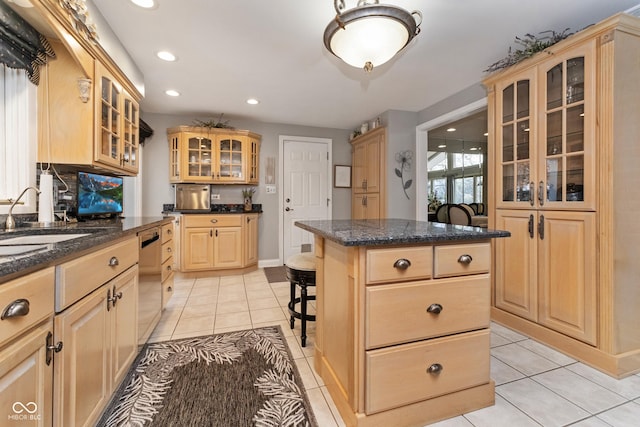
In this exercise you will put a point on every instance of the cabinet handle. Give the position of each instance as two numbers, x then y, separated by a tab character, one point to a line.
434	308
169	289
113	262
541	227
51	348
402	264
168	268
465	259
435	369
169	250
541	193
531	226
213	221
169	232
216	232
18	308
532	196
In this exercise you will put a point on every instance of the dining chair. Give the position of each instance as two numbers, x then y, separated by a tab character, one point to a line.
442	213
459	215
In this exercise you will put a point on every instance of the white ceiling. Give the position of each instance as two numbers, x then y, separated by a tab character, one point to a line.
272	50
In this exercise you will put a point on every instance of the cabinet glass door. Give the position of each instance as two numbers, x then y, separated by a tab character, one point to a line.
514	140
110	116
565	147
130	135
200	157
230	159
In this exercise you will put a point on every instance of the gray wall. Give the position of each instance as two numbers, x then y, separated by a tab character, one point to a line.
155	172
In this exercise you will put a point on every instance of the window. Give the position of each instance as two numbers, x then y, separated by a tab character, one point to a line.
18	132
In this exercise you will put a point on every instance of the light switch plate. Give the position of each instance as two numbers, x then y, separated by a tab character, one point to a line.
271	189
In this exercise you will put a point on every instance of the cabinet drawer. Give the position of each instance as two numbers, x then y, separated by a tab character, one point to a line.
167	290
167	232
37	289
398	313
167	250
400	375
458	260
167	268
398	264
81	276
212	220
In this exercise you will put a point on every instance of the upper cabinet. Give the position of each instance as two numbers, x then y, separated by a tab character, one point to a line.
218	156
88	112
368	195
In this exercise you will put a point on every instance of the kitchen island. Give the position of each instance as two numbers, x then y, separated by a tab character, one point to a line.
402	319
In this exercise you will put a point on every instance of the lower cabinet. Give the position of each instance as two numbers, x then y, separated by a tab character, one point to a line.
554	281
99	346
218	242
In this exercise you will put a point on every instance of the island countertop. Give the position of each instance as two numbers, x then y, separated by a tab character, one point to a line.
393	231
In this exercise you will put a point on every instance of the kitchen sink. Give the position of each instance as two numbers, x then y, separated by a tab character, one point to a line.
37	239
15	250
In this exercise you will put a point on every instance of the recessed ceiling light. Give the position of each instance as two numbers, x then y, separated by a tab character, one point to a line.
147	4
442	146
252	101
172	92
166	56
451	130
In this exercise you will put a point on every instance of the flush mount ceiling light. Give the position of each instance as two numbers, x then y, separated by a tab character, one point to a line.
370	34
147	4
166	56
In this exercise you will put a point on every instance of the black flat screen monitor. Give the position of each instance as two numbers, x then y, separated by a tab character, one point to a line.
99	195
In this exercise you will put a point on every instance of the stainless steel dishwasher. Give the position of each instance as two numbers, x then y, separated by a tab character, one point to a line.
149	283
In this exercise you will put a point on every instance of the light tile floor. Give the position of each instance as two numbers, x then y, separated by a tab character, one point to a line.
535	385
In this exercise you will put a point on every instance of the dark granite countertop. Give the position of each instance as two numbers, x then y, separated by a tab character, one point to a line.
215	209
394	231
100	233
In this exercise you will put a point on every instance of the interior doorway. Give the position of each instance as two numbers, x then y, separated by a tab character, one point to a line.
306	189
422	152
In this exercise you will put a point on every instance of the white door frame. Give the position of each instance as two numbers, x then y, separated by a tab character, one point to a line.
422	140
328	142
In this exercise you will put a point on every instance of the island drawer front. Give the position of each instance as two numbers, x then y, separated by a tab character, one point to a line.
212	220
167	250
167	290
167	269
399	264
77	278
404	312
458	260
36	288
167	232
397	376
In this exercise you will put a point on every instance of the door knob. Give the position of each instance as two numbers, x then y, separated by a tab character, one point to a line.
288	209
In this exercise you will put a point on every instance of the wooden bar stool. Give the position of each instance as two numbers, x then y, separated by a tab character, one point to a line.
301	271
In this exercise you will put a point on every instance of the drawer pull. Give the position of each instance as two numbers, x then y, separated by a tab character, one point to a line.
113	262
213	221
434	308
169	250
402	264
168	268
435	369
169	289
18	308
465	259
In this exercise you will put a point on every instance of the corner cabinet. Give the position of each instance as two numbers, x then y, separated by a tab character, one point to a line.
219	242
563	146
368	200
217	156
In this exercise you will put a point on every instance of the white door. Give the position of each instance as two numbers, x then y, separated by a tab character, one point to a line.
306	186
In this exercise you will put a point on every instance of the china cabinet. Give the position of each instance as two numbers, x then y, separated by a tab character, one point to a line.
369	162
563	141
220	156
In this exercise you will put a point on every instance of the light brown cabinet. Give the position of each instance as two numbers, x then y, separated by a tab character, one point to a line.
368	170
562	134
218	242
26	361
168	251
101	133
220	156
96	326
412	345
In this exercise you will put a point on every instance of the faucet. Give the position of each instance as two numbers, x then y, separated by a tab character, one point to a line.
11	223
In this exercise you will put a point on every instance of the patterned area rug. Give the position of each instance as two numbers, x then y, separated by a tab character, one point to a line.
245	378
275	274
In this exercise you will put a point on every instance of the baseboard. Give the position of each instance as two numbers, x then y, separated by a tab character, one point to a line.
270	263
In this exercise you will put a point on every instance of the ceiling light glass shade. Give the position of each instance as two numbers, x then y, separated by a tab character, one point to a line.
370	34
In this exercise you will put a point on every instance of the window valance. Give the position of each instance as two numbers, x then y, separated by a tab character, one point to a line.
21	46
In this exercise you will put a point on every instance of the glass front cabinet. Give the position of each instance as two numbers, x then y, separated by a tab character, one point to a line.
217	156
545	134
